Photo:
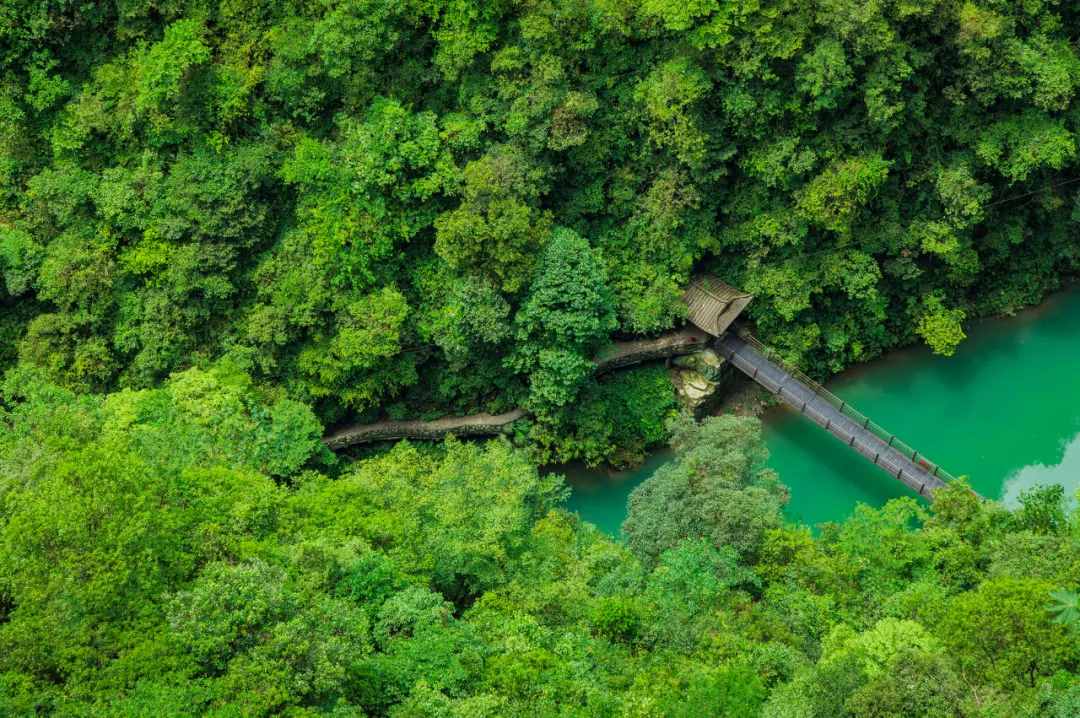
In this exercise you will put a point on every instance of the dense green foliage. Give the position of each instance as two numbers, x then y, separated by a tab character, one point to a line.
716	489
177	551
346	196
226	224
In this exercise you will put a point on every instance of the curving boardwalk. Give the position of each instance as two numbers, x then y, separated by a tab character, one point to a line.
615	356
475	425
821	408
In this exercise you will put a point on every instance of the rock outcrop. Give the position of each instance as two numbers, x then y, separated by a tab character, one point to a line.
696	378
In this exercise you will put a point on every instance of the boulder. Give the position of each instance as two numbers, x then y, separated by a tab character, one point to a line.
696	378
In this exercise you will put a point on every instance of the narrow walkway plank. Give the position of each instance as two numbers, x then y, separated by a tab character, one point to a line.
475	425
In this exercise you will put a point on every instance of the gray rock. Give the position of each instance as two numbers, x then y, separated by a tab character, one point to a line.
696	378
707	363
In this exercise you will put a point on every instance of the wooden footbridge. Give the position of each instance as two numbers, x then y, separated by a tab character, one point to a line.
833	415
713	306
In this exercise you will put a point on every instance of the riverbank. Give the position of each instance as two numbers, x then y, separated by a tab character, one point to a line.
1002	411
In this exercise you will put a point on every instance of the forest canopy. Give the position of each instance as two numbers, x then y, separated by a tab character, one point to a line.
227	225
159	557
343	197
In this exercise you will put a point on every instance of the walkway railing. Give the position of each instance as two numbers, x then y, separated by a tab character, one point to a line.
849	411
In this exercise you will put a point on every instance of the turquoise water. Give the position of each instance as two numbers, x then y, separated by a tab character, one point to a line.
1005	411
600	495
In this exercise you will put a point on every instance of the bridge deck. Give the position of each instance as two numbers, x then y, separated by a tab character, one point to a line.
804	399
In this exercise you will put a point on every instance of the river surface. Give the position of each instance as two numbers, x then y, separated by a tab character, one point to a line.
1004	411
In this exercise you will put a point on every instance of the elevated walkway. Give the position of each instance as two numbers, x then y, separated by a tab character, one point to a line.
834	415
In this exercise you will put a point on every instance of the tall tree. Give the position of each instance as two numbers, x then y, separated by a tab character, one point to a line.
716	488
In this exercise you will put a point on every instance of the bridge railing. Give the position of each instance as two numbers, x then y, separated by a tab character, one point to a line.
850	411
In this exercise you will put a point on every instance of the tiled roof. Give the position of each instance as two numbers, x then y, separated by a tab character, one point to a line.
713	305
